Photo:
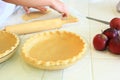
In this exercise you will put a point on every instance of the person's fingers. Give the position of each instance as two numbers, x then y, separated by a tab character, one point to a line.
60	7
65	12
65	15
26	9
42	9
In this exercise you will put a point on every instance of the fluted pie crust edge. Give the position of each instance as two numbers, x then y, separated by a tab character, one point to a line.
8	42
54	64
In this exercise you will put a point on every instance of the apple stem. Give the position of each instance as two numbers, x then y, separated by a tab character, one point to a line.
119	34
102	31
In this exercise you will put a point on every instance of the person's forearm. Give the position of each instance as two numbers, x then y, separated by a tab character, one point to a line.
30	3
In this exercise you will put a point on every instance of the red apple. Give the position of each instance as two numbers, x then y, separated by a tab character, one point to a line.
100	42
110	32
115	23
114	45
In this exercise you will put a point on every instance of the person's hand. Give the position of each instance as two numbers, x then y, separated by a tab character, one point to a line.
42	9
40	4
55	4
60	7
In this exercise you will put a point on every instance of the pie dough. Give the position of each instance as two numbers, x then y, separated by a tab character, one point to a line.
8	43
53	50
34	15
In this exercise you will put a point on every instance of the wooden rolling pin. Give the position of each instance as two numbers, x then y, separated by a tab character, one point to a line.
40	25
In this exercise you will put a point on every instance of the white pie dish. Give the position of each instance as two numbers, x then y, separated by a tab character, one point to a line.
8	44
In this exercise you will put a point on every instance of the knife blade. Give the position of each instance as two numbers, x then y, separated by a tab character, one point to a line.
98	20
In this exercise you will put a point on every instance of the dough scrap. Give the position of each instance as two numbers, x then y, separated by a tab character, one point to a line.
34	15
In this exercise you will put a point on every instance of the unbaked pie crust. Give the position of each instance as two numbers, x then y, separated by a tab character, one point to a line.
8	43
53	50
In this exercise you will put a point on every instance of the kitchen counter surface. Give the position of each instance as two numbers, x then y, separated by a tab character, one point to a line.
95	65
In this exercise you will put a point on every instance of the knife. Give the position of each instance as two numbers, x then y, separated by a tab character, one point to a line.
98	20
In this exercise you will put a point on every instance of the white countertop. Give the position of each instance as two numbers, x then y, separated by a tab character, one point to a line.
95	65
